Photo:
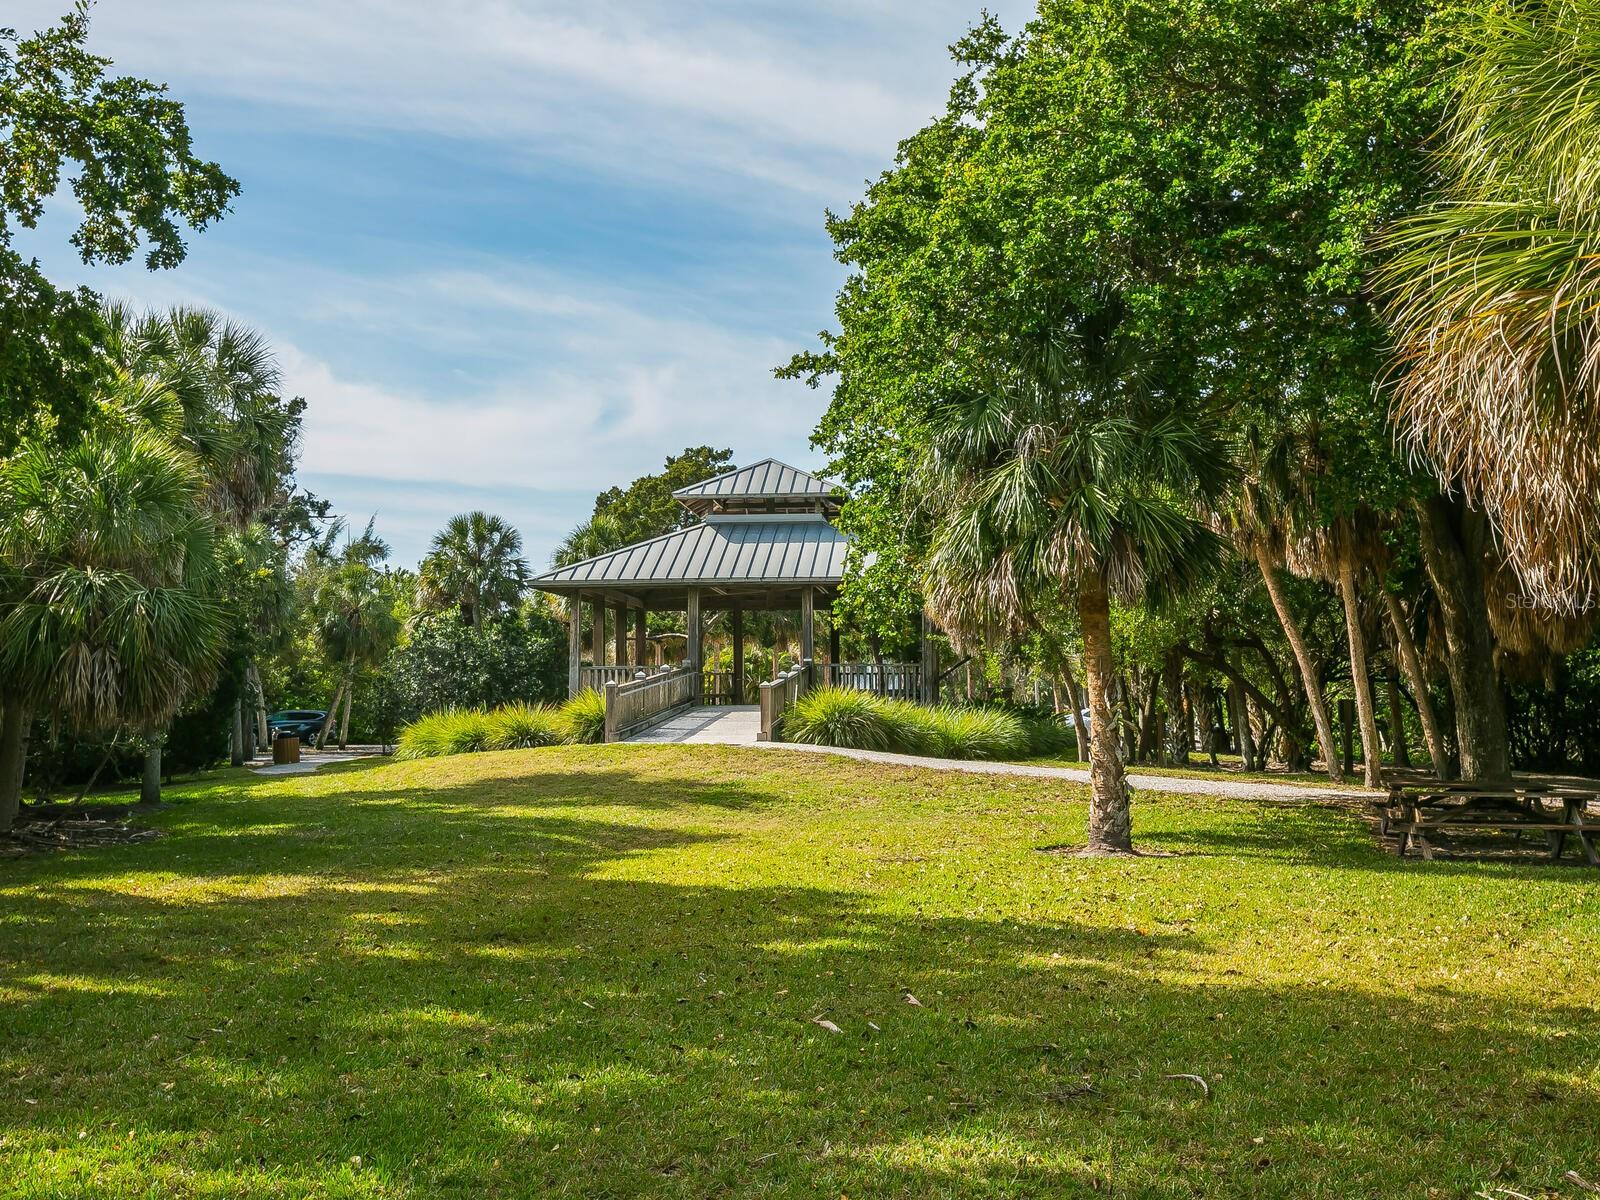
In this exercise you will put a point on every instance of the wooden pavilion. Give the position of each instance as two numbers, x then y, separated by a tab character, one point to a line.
765	541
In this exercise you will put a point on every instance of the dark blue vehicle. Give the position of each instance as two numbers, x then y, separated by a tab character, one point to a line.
302	723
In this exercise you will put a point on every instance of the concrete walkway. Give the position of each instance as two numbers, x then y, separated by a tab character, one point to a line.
310	760
738	726
1186	785
712	725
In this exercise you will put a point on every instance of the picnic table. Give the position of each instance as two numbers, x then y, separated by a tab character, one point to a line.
1417	806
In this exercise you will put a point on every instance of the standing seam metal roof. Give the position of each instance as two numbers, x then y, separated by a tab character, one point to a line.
719	550
769	477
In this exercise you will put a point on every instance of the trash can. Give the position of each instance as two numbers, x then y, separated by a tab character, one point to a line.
285	749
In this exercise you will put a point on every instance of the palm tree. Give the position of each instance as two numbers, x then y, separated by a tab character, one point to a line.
1062	483
110	615
600	534
212	387
354	607
1494	294
476	564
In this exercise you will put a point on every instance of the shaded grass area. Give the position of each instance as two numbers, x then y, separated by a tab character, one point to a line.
594	971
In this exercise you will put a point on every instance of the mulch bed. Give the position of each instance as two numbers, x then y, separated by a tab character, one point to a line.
74	827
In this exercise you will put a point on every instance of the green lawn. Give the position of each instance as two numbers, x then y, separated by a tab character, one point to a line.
593	972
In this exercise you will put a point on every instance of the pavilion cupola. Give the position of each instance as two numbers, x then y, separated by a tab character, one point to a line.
762	489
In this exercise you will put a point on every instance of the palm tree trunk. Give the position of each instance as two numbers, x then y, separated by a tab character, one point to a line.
1302	658
150	782
1452	552
1360	680
13	760
1110	814
1412	663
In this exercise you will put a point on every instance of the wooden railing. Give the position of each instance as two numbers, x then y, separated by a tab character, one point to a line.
778	694
644	700
598	677
718	688
902	680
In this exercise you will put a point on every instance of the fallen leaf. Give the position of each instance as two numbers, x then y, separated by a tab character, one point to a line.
826	1024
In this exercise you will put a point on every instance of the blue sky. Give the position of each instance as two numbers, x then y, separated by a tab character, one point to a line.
514	252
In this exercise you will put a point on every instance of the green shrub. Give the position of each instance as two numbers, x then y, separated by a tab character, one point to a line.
1050	736
524	726
987	733
426	737
840	717
916	728
584	717
469	730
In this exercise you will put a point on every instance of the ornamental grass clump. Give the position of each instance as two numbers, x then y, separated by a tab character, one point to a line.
451	731
840	717
985	733
916	728
525	726
426	737
585	717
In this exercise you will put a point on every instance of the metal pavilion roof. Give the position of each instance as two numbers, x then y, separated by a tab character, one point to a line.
766	481
758	550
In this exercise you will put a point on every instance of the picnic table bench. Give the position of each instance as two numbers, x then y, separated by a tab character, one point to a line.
1417	806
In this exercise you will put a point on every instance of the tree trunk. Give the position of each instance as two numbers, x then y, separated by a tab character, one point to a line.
258	703
1360	680
236	735
1303	659
150	783
331	715
1075	697
1149	745
1241	725
13	760
1202	705
344	721
1110	815
1397	723
1412	664
1174	750
1452	545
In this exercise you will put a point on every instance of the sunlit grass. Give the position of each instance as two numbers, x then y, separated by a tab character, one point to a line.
598	970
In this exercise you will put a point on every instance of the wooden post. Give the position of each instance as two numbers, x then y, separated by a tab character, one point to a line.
697	683
611	710
598	638
930	663
574	644
736	624
640	637
621	635
833	638
808	624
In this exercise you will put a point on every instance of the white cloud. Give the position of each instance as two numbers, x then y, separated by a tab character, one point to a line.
804	98
602	388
